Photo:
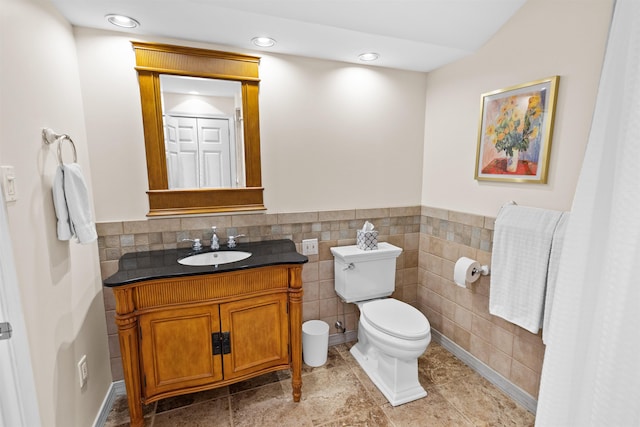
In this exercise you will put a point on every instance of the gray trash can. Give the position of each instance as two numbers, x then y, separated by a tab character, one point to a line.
315	342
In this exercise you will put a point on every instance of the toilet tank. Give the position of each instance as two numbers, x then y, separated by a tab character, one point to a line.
362	275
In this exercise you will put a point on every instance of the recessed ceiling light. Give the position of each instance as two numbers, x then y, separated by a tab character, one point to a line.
263	41
370	56
122	21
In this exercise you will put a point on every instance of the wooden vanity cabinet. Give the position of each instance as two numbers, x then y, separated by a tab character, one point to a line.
193	333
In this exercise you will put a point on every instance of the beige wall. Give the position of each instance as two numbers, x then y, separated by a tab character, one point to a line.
339	136
326	126
544	38
333	135
59	282
114	125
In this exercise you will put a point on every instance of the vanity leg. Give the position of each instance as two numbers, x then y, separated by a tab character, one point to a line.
128	336
130	363
295	324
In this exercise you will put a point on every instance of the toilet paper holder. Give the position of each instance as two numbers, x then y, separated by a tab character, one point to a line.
483	270
468	270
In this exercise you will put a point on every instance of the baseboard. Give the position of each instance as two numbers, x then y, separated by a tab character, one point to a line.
115	389
510	389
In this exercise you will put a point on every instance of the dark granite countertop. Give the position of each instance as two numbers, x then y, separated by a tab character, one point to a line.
139	266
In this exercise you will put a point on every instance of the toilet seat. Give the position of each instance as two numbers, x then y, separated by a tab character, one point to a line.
396	318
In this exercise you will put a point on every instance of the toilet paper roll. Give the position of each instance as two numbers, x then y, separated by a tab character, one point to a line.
463	271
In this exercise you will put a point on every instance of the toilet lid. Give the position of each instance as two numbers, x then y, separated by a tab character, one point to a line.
396	318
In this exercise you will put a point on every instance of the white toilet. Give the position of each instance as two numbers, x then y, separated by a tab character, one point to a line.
391	334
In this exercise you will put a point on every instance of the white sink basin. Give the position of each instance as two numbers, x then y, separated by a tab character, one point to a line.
214	258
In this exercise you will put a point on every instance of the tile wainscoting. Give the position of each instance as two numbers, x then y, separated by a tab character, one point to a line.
462	314
432	240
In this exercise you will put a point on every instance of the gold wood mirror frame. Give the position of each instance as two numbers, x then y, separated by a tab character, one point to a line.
154	59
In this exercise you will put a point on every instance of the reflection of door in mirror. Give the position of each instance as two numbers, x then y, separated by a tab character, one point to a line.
203	132
199	152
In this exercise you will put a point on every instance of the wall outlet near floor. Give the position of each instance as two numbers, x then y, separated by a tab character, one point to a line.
83	371
310	247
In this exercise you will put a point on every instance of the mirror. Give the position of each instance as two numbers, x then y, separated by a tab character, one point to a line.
188	171
203	137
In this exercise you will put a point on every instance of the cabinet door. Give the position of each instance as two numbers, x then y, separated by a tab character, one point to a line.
259	334
176	349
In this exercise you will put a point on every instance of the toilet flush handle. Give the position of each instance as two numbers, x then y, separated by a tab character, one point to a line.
351	266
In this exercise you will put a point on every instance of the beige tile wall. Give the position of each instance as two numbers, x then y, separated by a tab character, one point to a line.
462	314
399	226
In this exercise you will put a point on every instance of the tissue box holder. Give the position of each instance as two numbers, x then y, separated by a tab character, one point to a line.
367	240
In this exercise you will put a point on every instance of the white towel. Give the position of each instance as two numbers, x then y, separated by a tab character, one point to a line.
552	275
519	264
60	204
72	205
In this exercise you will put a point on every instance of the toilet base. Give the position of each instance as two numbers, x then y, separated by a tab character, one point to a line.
397	379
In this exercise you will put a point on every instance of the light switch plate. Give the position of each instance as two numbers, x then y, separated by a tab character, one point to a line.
83	371
9	183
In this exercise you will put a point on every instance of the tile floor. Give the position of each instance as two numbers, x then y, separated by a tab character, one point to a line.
340	394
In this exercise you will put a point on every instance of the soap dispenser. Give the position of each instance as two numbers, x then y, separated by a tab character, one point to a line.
215	243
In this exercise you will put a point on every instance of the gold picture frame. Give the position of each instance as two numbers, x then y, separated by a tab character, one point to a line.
515	132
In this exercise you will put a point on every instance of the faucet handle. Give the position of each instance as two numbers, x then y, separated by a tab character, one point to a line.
232	240
197	245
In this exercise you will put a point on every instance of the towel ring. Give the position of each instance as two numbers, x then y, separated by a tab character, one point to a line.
66	137
50	137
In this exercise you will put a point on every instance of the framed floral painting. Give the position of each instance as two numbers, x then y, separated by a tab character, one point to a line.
514	136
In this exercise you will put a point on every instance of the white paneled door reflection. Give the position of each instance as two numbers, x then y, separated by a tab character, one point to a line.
199	152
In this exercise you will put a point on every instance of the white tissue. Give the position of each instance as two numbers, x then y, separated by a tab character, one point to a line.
466	270
367	226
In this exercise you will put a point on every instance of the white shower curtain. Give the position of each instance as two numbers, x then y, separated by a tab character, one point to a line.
591	371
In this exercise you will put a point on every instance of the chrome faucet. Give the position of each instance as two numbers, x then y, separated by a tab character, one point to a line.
197	245
215	242
231	243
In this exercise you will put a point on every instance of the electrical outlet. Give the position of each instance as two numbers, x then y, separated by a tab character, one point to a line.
83	371
310	247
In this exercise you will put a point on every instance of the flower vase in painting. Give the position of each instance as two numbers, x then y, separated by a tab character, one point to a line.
512	161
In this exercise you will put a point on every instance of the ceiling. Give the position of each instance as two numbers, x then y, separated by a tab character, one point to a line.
417	35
